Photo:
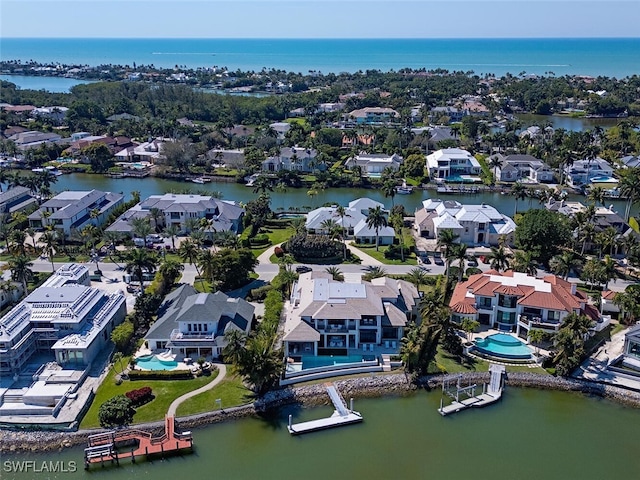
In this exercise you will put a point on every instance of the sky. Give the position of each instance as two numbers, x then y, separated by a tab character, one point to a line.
319	18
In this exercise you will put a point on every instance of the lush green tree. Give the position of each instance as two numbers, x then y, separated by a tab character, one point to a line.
171	231
233	350
169	271
629	187
99	156
141	228
121	335
469	325
519	192
116	412
232	268
629	304
50	240
418	277
536	337
458	253
145	309
374	271
543	233
569	342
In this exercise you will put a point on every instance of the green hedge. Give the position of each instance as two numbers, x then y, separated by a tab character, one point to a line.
160	375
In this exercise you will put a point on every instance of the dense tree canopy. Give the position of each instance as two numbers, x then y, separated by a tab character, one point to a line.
542	232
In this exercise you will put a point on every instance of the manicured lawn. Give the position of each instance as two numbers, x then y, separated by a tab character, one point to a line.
164	391
276	235
230	391
448	364
409	258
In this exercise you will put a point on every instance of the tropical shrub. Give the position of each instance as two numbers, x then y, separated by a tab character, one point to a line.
115	412
306	246
140	396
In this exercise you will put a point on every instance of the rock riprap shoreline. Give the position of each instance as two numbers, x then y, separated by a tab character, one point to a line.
313	395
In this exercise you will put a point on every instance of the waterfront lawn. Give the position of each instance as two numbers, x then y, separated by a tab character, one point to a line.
446	363
231	392
276	236
370	249
164	392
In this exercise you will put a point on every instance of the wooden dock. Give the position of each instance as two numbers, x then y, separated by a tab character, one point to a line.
490	394
112	446
341	415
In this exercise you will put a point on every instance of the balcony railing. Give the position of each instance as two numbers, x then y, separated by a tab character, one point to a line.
178	335
539	321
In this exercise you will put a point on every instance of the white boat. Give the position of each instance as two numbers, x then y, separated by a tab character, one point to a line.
199	180
404	189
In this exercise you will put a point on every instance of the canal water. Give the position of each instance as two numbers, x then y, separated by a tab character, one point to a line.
530	434
295	197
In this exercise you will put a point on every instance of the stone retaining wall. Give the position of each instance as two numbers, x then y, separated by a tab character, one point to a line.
311	395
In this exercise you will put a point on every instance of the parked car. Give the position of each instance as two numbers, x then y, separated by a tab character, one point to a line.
438	260
303	269
155	238
472	262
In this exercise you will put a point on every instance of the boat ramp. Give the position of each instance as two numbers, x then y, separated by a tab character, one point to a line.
465	397
341	416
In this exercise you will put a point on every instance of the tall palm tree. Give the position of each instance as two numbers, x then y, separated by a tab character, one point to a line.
629	188
341	212
459	254
20	267
606	239
376	219
499	258
170	270
563	263
597	195
389	189
495	162
140	261
519	192
374	271
524	262
569	342
189	252
171	231
17	240
207	262
446	241
141	228
157	216
51	241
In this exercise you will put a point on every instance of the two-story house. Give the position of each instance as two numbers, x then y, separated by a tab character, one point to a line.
473	224
514	168
513	301
293	158
16	199
181	209
373	116
71	211
192	324
373	164
327	317
586	171
452	163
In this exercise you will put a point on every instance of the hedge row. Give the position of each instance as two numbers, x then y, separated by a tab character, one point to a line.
140	396
160	375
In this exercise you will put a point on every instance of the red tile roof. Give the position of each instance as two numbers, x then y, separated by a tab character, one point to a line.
464	308
609	295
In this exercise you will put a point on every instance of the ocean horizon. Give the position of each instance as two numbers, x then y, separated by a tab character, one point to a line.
613	57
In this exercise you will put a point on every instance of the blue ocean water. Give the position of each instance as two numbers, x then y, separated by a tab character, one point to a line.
611	57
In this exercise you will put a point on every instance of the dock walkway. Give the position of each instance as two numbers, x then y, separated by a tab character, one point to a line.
490	394
341	415
104	446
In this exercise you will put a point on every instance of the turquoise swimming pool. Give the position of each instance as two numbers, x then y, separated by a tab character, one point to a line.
152	362
503	346
603	179
326	361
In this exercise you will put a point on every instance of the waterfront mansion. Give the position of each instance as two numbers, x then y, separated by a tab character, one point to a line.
179	210
513	301
64	319
452	163
327	317
473	224
192	324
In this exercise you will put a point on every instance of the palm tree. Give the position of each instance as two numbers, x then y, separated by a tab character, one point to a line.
519	192
335	273
50	240
629	188
458	253
374	271
139	261
227	239
495	162
524	262
189	252
157	216
170	270
569	342
563	264
389	189
499	258
262	184
606	239
597	195
141	228
207	262
234	348
17	239
376	219
20	267
536	337
342	212
418	277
